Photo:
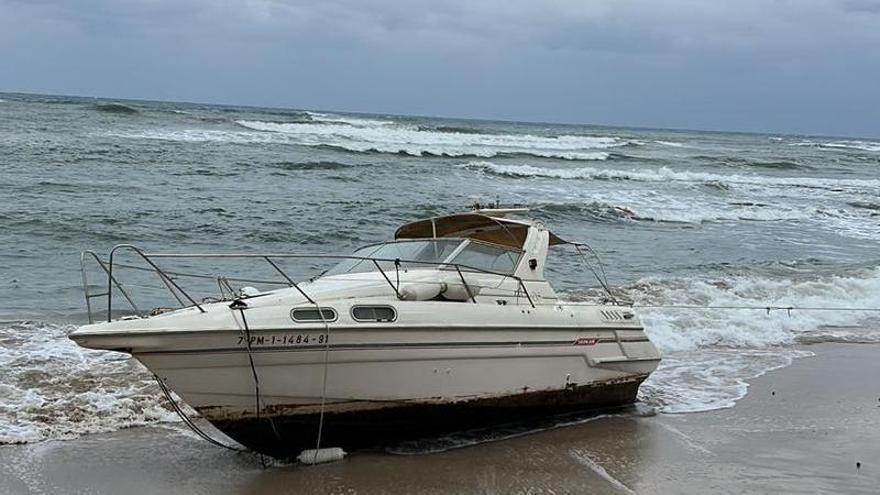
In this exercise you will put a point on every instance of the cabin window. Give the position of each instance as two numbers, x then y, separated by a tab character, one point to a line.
373	313
311	314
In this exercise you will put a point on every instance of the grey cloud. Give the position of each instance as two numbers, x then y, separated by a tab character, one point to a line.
799	65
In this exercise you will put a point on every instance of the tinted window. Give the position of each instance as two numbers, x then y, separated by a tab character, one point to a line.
311	314
373	313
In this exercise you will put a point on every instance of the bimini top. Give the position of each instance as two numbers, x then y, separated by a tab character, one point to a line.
474	225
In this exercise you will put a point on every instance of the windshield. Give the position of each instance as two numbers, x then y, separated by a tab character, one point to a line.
430	253
488	257
427	251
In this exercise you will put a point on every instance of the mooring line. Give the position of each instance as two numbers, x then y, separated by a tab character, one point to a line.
241	306
323	381
189	422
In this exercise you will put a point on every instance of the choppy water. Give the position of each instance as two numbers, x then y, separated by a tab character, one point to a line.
679	218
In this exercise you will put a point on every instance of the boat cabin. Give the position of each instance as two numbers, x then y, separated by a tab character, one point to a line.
483	240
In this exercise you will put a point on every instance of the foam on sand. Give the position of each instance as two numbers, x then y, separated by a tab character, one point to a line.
52	389
709	354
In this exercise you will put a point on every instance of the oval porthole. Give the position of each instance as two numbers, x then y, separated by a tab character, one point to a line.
303	315
373	313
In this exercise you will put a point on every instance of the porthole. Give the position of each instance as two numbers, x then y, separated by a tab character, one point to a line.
373	313
311	314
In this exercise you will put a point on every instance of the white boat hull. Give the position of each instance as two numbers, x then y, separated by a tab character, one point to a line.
386	354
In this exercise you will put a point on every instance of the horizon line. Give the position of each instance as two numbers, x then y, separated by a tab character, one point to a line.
473	119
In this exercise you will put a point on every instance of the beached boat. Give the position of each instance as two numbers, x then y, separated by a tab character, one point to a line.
451	325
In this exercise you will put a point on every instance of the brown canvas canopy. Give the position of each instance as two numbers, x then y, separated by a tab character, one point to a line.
503	231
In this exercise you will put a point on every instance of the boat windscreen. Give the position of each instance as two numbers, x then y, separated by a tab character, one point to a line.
430	252
488	257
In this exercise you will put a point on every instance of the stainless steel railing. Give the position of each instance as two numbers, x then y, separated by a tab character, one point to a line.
169	277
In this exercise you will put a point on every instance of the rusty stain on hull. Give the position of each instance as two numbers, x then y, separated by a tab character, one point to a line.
370	427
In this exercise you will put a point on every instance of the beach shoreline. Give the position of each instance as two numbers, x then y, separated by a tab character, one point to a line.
802	428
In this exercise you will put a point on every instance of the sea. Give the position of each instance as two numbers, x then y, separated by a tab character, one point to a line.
687	224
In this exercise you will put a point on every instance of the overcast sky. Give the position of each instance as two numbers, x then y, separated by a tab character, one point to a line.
800	66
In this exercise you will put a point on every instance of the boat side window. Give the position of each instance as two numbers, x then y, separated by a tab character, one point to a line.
488	257
373	313
312	315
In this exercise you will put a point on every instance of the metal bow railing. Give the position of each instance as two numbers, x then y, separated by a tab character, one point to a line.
170	278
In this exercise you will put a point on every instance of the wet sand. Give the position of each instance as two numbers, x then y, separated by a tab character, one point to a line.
801	429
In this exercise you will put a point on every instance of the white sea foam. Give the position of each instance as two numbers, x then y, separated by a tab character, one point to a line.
709	354
387	136
353	121
665	174
367	135
845	144
672	144
633	206
397	141
51	388
689	329
710	379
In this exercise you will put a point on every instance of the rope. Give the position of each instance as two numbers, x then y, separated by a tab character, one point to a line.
241	305
187	421
323	381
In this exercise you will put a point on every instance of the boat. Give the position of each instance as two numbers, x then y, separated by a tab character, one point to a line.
449	326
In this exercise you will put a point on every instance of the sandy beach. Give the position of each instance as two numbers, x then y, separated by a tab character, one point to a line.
812	427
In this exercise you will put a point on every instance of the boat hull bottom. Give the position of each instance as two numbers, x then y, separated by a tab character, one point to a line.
285	436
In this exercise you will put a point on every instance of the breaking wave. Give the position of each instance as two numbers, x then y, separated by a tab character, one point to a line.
318	165
711	379
689	329
362	135
53	389
846	144
671	144
117	108
450	129
708	354
375	135
662	174
659	211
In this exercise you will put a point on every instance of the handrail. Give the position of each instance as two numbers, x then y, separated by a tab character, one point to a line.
393	287
289	280
110	278
466	288
167	277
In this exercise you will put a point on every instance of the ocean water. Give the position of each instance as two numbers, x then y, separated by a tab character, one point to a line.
679	218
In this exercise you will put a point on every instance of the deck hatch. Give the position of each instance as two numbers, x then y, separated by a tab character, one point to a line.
373	313
312	315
